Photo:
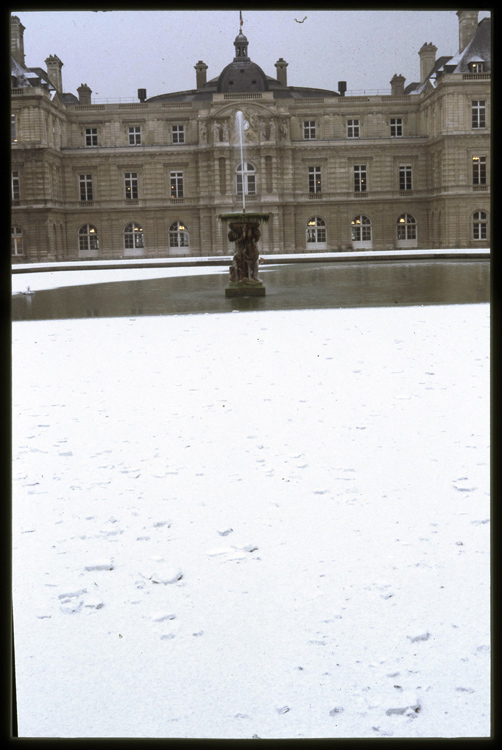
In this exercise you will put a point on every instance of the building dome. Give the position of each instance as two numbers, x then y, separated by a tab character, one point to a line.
241	75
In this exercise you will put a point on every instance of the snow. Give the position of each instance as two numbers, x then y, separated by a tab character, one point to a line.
268	525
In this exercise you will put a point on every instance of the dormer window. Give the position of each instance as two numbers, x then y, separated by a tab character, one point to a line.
476	67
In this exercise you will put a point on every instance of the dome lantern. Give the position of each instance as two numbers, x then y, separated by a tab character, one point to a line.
241	47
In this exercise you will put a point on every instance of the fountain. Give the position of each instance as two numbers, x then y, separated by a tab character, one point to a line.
245	232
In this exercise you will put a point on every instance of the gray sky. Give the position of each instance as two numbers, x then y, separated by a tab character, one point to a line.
117	52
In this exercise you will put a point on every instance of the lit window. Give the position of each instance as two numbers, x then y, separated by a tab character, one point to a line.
178	133
133	237
91	136
178	235
246	176
479	225
16	241
85	182
134	135
476	67
406	227
131	185
13	129
360	183
478	114
176	184
361	229
316	230
479	170
309	130
352	128
405	182
88	238
314	179
15	186
396	127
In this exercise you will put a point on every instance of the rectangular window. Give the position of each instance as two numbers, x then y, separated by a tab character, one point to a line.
13	129
176	184
479	170
478	114
309	130
134	135
91	136
352	128
15	186
85	183
405	182
314	179
396	127
360	183
131	185
178	133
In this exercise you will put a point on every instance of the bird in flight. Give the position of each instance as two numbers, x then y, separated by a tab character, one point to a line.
297	21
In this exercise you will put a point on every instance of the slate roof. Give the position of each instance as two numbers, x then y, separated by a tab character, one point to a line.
243	76
478	50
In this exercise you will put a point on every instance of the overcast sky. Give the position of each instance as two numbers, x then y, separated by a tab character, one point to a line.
117	52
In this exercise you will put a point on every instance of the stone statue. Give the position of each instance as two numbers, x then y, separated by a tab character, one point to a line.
216	131
225	131
263	130
272	130
245	261
203	132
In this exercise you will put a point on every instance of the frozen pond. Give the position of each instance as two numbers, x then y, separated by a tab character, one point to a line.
292	286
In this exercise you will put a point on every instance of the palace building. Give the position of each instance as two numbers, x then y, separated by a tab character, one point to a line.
335	172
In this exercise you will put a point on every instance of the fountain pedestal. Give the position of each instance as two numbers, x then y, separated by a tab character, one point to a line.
245	232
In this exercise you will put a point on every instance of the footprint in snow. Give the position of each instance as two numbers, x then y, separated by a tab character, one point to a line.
100	565
72	602
421	637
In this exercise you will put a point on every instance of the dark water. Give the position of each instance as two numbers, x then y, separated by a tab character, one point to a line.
291	286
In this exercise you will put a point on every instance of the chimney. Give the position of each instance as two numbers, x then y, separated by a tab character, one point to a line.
17	39
84	94
200	70
142	95
427	60
54	66
342	87
397	85
467	25
282	73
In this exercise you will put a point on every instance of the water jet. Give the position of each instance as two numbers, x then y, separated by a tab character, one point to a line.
245	233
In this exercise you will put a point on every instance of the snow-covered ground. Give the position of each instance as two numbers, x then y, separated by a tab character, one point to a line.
253	524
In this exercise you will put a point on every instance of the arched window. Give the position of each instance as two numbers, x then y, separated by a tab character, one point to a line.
16	245
406	227
88	240
246	176
133	237
361	229
178	235
316	231
479	225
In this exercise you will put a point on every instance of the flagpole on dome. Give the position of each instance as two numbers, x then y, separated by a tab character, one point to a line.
241	21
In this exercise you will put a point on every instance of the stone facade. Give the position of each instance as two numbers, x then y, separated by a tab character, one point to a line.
335	172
